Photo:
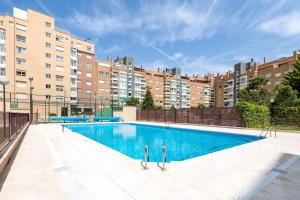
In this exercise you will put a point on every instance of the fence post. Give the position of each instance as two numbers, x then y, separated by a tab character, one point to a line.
220	117
175	114
164	115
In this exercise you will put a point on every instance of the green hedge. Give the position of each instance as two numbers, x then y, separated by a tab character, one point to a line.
254	116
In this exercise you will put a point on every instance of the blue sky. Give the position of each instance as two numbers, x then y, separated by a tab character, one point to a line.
198	36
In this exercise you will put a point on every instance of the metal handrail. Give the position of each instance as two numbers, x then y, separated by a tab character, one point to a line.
146	158
268	130
164	158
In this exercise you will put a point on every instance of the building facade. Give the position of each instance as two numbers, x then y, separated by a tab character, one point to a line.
226	87
31	46
120	79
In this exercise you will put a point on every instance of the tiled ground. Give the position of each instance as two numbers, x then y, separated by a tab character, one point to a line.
51	164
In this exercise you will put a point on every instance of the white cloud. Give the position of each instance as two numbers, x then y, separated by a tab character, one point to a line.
286	25
112	49
156	22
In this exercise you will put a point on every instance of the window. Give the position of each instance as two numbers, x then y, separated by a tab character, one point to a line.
1	23
74	52
59	78
48	86
59	58
48	35
21	38
59	39
89	57
277	74
88	48
21	84
20	61
48	55
47	65
48	76
89	65
59	48
88	74
88	83
48	24
59	88
268	75
60	68
20	73
21	27
2	59
20	50
59	98
48	45
73	62
48	97
2	71
2	34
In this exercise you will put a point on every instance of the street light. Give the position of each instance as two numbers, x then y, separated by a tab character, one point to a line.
4	82
31	103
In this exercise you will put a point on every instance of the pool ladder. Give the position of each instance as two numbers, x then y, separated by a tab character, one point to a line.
164	158
144	162
146	158
268	131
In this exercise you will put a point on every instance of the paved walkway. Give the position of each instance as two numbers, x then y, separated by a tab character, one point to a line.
55	165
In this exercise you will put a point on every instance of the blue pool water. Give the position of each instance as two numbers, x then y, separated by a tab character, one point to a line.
181	144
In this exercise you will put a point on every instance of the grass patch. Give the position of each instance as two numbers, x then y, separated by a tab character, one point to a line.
287	127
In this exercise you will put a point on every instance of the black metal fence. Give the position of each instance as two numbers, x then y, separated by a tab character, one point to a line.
10	125
47	105
230	116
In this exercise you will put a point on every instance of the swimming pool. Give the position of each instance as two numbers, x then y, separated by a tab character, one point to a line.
181	144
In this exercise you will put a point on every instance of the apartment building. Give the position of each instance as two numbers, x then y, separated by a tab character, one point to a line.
121	79
227	86
31	46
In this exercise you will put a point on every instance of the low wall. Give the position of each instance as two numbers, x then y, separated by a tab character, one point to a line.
127	114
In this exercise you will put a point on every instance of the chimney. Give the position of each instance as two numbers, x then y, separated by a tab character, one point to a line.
252	59
158	69
265	60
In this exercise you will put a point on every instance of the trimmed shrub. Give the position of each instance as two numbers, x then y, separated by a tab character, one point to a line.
52	114
254	116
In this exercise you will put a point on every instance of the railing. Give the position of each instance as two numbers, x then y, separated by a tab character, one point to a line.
10	125
230	116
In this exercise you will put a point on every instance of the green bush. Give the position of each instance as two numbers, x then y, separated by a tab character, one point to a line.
289	115
254	116
52	114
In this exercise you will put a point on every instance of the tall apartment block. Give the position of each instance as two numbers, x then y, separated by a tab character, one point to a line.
121	79
227	86
60	64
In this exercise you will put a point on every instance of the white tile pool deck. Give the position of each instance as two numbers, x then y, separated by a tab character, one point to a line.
51	164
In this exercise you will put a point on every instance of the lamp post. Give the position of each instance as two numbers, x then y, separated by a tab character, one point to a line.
31	103
4	82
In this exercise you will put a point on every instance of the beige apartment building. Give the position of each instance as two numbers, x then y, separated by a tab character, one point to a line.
227	86
31	46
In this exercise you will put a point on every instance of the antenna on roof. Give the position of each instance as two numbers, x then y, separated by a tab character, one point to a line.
88	39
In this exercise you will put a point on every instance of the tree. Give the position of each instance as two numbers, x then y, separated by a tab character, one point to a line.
201	105
255	93
133	101
285	95
173	107
293	78
148	102
257	83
